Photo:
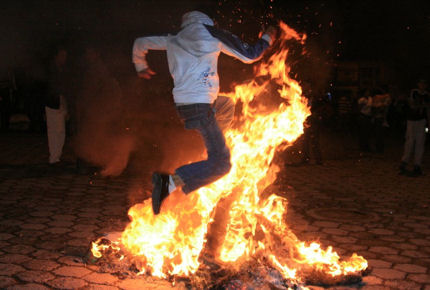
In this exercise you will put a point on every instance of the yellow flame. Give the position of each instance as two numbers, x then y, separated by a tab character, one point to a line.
171	242
97	247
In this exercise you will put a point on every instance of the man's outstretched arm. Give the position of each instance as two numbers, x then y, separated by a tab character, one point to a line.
235	47
140	49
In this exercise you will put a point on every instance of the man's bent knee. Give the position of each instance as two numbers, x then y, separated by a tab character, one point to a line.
220	165
227	167
223	166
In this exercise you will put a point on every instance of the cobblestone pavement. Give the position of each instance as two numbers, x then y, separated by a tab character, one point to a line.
49	216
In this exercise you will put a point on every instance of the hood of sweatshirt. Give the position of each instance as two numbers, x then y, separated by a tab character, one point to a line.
195	17
194	37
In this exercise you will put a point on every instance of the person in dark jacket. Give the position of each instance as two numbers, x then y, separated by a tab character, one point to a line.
7	86
365	120
380	104
416	115
320	111
56	105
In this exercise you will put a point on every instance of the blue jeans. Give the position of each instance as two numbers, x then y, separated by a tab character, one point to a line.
203	118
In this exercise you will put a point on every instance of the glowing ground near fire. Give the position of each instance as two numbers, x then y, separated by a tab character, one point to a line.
253	226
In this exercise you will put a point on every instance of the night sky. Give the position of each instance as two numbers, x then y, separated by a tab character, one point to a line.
394	32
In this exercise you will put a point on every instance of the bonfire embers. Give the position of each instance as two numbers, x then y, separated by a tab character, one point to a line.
252	242
256	273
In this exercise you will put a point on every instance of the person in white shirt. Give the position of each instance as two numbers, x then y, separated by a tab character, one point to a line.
56	105
192	56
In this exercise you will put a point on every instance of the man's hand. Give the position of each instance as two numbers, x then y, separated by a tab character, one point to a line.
146	74
272	32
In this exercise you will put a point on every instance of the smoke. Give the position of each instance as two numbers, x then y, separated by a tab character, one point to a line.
101	135
126	122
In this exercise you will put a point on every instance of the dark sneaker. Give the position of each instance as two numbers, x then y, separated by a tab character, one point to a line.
416	172
402	168
160	190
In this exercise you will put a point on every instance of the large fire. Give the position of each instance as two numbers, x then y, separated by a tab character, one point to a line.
252	227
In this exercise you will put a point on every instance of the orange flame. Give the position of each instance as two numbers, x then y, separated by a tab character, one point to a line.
171	242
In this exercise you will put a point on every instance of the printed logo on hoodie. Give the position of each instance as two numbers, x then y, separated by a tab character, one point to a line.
205	77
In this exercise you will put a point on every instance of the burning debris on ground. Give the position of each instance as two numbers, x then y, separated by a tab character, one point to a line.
211	274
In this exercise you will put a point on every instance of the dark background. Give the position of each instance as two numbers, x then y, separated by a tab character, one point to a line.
395	32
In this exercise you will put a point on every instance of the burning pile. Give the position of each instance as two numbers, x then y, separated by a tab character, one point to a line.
252	229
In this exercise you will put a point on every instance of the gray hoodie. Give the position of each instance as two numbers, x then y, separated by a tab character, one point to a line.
192	56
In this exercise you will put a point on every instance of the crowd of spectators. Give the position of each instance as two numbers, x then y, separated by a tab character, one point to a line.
369	117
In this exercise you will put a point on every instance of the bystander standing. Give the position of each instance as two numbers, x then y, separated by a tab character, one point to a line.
416	116
344	111
56	105
380	104
321	110
365	120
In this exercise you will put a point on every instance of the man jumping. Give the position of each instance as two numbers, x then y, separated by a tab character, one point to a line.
192	56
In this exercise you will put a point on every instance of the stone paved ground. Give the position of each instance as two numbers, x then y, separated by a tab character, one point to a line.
356	204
